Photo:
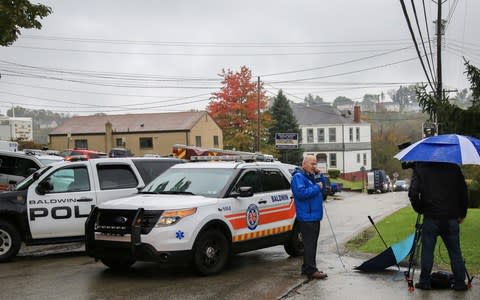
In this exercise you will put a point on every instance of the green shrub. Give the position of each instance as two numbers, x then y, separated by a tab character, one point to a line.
333	173
473	193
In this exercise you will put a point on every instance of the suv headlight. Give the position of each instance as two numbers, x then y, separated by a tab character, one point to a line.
170	217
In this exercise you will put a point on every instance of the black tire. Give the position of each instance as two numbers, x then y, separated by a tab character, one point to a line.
294	245
10	241
211	252
118	264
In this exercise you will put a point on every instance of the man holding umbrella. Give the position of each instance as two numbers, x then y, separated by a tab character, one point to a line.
438	191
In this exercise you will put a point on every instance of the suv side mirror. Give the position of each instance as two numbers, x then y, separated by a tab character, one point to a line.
243	191
44	187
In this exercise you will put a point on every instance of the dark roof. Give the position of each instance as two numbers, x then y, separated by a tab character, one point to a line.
175	121
321	114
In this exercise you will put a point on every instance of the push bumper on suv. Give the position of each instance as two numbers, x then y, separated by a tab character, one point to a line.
116	234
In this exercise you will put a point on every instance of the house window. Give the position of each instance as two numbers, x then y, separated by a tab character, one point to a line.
198	141
81	144
321	158
333	160
358	157
357	133
146	143
119	142
321	135
215	141
364	159
309	135
332	135
350	134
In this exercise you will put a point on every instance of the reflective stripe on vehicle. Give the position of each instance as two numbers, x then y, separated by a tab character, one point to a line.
261	233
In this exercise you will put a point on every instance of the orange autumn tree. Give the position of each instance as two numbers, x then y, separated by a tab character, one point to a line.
234	108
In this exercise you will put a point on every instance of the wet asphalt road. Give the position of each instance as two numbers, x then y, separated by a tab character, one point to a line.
63	272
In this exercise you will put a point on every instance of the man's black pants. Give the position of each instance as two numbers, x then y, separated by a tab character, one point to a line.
310	232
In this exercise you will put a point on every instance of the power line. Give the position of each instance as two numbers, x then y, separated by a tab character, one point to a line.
347	73
219	44
69	110
415	42
421	39
337	64
428	37
192	54
98	93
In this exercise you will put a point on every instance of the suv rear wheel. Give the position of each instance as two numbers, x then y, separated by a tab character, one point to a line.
210	252
294	245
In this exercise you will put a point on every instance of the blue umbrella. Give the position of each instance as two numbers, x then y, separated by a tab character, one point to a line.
393	255
447	148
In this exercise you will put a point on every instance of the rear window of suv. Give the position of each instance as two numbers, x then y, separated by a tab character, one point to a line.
116	177
151	168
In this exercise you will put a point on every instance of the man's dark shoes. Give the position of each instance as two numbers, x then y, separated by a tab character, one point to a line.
317	275
422	286
460	287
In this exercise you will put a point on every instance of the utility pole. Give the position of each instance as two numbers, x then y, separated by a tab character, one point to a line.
258	114
439	59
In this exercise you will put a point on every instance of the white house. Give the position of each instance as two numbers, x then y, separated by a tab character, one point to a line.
341	140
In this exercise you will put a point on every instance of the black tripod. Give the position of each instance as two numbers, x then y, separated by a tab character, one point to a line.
409	274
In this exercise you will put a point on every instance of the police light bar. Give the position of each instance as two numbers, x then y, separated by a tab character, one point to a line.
223	158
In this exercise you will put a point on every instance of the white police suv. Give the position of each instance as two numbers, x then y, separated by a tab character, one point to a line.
199	212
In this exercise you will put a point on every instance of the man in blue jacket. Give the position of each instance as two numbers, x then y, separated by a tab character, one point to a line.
307	191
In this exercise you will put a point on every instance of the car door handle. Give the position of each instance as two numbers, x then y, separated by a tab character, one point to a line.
262	202
84	199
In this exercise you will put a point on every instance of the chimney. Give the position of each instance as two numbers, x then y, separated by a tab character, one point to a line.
356	114
108	137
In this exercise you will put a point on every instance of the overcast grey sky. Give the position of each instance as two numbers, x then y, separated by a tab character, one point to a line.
118	56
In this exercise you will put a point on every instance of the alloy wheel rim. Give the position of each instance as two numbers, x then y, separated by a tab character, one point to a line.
5	242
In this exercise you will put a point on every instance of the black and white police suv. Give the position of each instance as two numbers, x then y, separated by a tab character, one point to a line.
198	212
52	205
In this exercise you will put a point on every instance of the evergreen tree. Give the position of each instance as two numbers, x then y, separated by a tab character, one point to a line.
284	122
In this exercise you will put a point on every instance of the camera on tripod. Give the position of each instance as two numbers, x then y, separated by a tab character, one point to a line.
406	164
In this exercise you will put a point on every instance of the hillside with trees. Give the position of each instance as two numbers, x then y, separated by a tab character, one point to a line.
390	129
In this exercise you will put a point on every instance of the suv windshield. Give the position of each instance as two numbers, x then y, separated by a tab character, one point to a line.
205	182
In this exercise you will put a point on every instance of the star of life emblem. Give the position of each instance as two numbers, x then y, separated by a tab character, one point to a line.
253	216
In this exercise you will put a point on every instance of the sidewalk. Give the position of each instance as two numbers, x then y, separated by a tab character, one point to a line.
349	217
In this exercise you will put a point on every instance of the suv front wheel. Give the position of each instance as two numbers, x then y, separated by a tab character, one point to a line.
210	252
10	241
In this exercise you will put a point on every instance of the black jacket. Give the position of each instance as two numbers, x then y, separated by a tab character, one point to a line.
438	190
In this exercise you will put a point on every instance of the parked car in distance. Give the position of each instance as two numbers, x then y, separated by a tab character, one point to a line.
120	152
400	185
377	181
68	154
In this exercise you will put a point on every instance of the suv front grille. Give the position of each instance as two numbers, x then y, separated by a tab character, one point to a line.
120	221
